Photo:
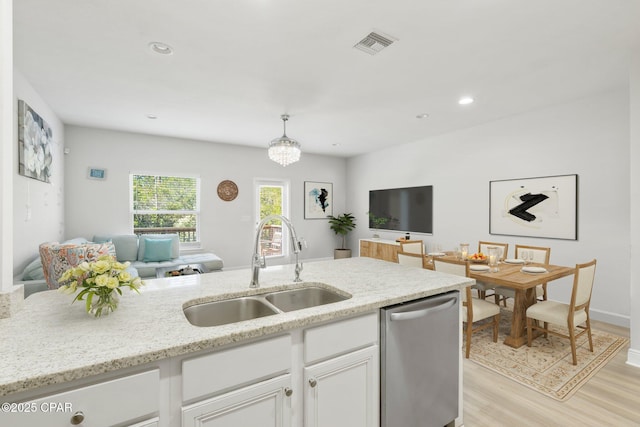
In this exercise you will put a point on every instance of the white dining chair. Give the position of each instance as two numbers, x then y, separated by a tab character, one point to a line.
474	309
503	248
572	315
413	247
541	255
410	259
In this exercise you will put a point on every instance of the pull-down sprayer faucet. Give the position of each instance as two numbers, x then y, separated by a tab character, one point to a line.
258	261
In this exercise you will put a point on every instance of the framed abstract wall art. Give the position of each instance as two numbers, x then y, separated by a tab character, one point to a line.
34	144
543	207
318	200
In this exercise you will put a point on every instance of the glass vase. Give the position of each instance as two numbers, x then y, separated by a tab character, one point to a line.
103	304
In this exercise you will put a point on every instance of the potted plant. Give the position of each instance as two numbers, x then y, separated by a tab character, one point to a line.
342	225
377	222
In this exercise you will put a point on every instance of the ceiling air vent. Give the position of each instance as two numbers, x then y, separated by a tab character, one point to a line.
374	43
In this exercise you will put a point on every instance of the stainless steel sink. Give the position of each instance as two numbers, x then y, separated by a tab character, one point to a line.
228	311
241	308
297	299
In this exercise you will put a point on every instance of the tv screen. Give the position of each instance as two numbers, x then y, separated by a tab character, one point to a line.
402	209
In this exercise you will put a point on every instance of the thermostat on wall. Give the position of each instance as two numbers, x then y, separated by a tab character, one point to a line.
97	173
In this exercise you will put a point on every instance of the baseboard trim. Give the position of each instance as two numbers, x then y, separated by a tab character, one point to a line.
633	358
608	317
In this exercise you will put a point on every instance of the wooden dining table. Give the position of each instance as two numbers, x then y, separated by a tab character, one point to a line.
524	285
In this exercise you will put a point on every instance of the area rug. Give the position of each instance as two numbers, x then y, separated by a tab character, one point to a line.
547	365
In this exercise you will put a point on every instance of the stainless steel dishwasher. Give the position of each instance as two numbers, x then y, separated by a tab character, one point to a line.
419	359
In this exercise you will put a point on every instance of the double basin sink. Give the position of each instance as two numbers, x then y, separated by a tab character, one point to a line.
241	308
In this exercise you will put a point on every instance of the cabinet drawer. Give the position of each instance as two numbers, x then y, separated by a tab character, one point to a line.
104	404
237	366
341	337
264	404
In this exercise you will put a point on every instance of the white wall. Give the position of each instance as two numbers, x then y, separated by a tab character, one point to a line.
45	201
227	228
589	137
6	151
634	351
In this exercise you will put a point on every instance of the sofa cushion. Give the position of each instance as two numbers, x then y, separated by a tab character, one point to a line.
76	241
33	270
126	245
175	244
157	250
57	258
101	239
209	260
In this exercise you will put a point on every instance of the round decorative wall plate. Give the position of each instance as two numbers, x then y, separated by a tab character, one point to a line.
227	190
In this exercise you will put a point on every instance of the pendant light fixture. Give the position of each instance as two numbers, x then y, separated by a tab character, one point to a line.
284	150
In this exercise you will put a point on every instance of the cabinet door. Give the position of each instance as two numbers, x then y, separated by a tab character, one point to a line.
389	252
364	248
265	404
344	391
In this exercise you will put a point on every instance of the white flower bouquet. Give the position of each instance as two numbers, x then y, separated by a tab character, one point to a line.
100	281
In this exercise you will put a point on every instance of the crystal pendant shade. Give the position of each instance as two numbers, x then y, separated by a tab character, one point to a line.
284	150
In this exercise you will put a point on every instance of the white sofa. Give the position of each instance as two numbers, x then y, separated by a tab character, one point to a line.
146	253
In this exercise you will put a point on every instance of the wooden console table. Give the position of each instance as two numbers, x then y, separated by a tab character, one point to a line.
386	250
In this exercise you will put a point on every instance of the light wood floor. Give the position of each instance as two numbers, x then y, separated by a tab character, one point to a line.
610	398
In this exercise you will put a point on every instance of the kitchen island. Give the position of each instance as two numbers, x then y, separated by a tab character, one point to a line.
52	345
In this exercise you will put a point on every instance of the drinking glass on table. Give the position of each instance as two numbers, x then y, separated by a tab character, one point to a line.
464	250
525	256
530	256
493	259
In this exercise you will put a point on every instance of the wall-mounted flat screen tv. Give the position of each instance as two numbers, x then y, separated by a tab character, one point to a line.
402	209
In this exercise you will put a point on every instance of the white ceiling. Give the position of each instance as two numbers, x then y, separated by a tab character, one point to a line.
239	64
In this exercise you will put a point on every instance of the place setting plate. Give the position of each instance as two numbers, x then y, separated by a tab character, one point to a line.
513	261
533	270
479	267
436	254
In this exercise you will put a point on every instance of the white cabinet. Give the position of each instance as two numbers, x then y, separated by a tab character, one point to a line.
331	380
320	376
250	385
343	391
265	404
121	401
341	376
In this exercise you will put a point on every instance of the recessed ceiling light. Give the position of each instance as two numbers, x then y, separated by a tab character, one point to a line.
335	144
161	48
422	116
152	116
465	100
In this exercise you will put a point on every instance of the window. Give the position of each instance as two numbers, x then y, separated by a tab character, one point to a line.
272	198
166	204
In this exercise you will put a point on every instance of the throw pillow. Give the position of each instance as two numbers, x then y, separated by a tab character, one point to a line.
175	244
157	250
126	247
57	258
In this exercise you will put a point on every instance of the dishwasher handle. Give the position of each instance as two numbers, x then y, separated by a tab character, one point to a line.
409	315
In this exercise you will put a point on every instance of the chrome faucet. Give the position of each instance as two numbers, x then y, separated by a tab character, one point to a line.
258	261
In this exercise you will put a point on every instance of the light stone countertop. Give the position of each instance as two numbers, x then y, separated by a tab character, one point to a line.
51	341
